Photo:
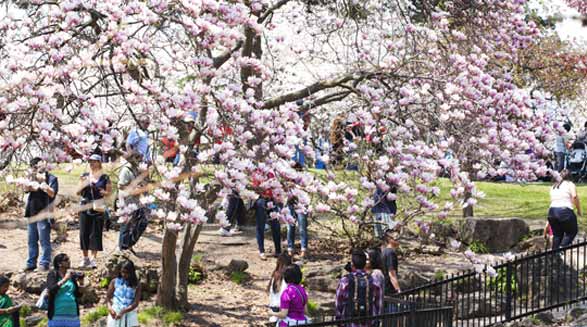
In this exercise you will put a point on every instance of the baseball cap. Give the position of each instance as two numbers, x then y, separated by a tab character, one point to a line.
95	157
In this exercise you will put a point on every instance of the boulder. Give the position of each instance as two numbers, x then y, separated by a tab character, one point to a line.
237	266
410	279
35	319
32	282
545	317
580	322
443	231
322	283
498	235
476	307
89	295
533	244
576	312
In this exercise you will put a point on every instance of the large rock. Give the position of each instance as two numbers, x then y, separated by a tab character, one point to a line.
533	244
32	282
89	295
237	266
498	235
475	307
322	283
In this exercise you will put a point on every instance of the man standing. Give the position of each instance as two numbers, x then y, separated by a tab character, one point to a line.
384	210
138	140
358	294
560	149
40	201
128	182
390	263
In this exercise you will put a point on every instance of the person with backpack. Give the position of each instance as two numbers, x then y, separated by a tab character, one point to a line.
293	300
93	188
358	294
277	284
9	316
133	228
40	200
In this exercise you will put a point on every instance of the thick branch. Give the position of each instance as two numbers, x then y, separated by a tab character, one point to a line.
220	60
312	89
270	11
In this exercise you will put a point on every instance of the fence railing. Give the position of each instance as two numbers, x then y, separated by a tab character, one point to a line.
398	313
522	287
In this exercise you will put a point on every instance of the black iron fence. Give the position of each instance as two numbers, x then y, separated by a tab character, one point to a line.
398	313
518	288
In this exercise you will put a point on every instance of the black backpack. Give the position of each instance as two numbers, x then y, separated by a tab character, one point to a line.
360	296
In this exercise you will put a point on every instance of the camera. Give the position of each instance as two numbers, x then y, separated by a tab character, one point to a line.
77	275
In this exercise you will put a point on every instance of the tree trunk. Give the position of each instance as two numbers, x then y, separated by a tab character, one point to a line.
468	210
166	296
188	242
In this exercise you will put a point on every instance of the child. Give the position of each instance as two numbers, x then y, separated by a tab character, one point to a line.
8	312
124	294
293	300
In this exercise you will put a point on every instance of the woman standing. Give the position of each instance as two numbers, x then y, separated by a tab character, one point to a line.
93	188
124	294
293	300
63	293
561	217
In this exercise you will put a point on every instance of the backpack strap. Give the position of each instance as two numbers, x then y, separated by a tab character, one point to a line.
350	307
304	299
369	294
356	297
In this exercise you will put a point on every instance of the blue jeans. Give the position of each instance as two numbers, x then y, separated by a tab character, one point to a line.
563	222
261	218
39	231
291	230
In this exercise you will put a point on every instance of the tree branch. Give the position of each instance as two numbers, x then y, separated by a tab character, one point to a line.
312	89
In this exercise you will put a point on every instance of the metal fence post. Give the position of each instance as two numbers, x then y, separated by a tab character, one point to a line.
508	292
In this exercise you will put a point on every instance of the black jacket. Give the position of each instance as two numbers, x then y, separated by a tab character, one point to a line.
52	280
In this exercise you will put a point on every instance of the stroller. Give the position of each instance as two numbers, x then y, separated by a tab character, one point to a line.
576	161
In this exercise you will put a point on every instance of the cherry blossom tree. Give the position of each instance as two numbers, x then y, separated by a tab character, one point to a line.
419	80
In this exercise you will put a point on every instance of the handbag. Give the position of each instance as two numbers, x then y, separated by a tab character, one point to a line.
43	301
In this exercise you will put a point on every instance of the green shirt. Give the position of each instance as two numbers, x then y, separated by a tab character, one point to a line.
6	319
65	303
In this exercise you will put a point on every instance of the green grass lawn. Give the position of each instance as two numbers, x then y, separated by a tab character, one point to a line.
529	201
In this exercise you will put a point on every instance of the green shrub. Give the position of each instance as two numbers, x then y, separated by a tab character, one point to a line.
157	313
172	318
25	311
194	276
239	277
104	282
43	323
22	322
478	247
312	308
499	282
439	274
93	316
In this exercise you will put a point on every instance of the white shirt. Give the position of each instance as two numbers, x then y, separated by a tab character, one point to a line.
275	298
562	196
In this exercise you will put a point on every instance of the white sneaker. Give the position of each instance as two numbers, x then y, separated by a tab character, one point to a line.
92	264
85	262
235	231
223	232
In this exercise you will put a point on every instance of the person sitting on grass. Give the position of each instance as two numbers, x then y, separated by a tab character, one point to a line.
8	311
124	294
293	300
